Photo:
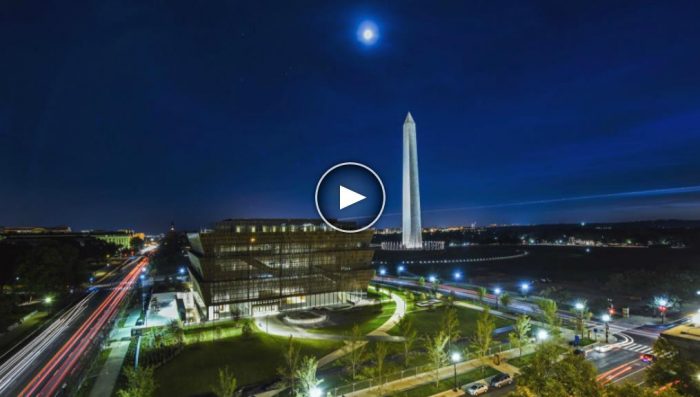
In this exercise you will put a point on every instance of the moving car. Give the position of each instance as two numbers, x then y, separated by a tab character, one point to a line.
501	380
477	389
647	358
603	348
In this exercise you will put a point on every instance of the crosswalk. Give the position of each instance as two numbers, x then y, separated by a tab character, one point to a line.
636	347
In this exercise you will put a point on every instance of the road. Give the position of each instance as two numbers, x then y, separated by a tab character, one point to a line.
46	364
621	363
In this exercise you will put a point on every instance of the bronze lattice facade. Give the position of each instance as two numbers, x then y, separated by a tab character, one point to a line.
251	267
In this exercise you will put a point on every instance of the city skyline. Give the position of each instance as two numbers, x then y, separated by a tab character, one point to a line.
517	105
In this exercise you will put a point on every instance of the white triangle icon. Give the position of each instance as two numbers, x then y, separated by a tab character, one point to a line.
349	197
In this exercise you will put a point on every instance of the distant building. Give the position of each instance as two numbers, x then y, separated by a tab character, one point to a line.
34	229
249	267
686	338
122	238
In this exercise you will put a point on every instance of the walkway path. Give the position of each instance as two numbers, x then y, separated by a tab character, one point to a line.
275	326
443	373
119	340
380	333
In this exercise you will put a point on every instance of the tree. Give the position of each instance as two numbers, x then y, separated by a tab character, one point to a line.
136	243
226	385
549	309
519	337
357	345
670	366
483	336
631	390
582	315
306	376
436	352
505	299
409	335
247	328
481	293
450	325
522	391
169	256
434	286
177	330
421	281
549	376
291	363
140	383
379	354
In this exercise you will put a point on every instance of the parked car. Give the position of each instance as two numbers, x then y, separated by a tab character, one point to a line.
477	389
501	380
647	358
580	352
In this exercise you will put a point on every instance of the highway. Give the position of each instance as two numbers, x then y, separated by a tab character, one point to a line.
46	364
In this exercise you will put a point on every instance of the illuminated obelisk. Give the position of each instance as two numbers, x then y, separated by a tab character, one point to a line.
411	225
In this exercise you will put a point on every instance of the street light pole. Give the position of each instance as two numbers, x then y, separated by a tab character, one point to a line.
606	320
455	357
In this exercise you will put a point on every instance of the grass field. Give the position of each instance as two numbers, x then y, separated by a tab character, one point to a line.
427	322
10	338
252	360
368	318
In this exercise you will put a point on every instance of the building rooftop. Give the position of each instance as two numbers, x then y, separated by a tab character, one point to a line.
244	224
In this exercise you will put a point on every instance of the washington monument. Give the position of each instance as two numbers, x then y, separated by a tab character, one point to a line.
411	225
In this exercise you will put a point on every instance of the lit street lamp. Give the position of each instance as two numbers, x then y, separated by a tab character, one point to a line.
315	392
401	268
48	299
456	357
457	275
542	335
606	320
497	291
524	288
432	278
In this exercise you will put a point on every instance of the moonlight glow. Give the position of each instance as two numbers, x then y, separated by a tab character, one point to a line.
367	33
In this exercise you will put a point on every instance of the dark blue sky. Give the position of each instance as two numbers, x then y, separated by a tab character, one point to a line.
135	114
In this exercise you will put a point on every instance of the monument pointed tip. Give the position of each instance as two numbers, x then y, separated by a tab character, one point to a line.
409	118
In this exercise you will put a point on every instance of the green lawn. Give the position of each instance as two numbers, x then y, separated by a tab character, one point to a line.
252	360
521	362
447	383
427	322
368	318
10	338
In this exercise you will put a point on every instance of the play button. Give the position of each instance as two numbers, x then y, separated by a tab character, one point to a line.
350	197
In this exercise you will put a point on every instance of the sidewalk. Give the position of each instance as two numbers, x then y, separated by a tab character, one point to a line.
443	373
119	340
380	332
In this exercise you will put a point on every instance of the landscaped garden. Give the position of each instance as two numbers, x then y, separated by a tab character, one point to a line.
368	318
251	359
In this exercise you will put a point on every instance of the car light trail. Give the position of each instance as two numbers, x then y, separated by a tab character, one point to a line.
64	362
25	357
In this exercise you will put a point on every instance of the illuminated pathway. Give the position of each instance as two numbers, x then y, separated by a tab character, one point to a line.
46	364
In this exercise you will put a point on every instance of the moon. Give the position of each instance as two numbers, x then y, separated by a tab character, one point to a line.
368	33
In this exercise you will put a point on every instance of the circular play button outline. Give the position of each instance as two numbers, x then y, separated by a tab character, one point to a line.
379	180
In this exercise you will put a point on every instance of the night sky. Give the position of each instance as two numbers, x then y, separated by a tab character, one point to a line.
135	115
